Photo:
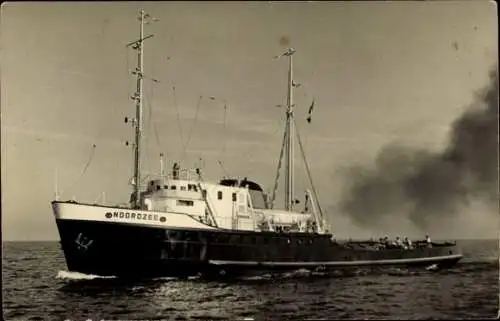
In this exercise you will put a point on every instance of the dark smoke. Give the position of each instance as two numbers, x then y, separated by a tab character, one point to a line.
423	185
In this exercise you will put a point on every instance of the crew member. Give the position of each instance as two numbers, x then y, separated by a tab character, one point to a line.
408	242
428	240
175	170
386	241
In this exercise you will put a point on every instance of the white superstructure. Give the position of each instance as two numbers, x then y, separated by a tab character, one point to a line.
230	205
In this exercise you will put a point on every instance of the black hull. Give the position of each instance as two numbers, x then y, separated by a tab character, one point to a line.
134	251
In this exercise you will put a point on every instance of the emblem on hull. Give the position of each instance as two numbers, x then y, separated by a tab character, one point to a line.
82	242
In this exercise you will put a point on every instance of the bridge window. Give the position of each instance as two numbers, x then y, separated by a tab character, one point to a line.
219	195
185	203
173	187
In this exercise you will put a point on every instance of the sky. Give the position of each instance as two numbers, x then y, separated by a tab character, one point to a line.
379	72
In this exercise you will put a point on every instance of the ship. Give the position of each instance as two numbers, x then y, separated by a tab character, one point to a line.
180	224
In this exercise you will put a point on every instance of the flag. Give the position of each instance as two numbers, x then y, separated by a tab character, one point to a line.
310	112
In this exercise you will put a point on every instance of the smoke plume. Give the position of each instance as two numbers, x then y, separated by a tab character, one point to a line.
427	186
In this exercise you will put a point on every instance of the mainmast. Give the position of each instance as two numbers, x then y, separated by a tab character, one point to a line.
288	143
287	151
138	98
289	120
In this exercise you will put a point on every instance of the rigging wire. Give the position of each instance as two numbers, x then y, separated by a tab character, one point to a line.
155	131
148	122
306	165
192	126
178	116
249	154
223	169
273	196
85	168
127	56
104	129
224	133
152	127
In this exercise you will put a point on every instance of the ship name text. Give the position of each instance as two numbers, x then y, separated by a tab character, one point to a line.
135	216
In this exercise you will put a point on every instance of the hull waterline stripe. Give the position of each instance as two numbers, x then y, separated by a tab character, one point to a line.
339	263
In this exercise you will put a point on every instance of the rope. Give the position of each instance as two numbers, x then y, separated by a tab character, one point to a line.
307	168
279	167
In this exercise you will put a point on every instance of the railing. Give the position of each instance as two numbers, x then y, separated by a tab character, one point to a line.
181	174
184	174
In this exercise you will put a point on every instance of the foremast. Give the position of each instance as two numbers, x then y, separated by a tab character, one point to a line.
138	45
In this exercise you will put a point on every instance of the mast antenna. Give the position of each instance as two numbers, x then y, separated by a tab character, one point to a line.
144	18
289	178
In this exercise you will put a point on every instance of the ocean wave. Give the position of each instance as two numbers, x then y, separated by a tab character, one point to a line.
67	275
